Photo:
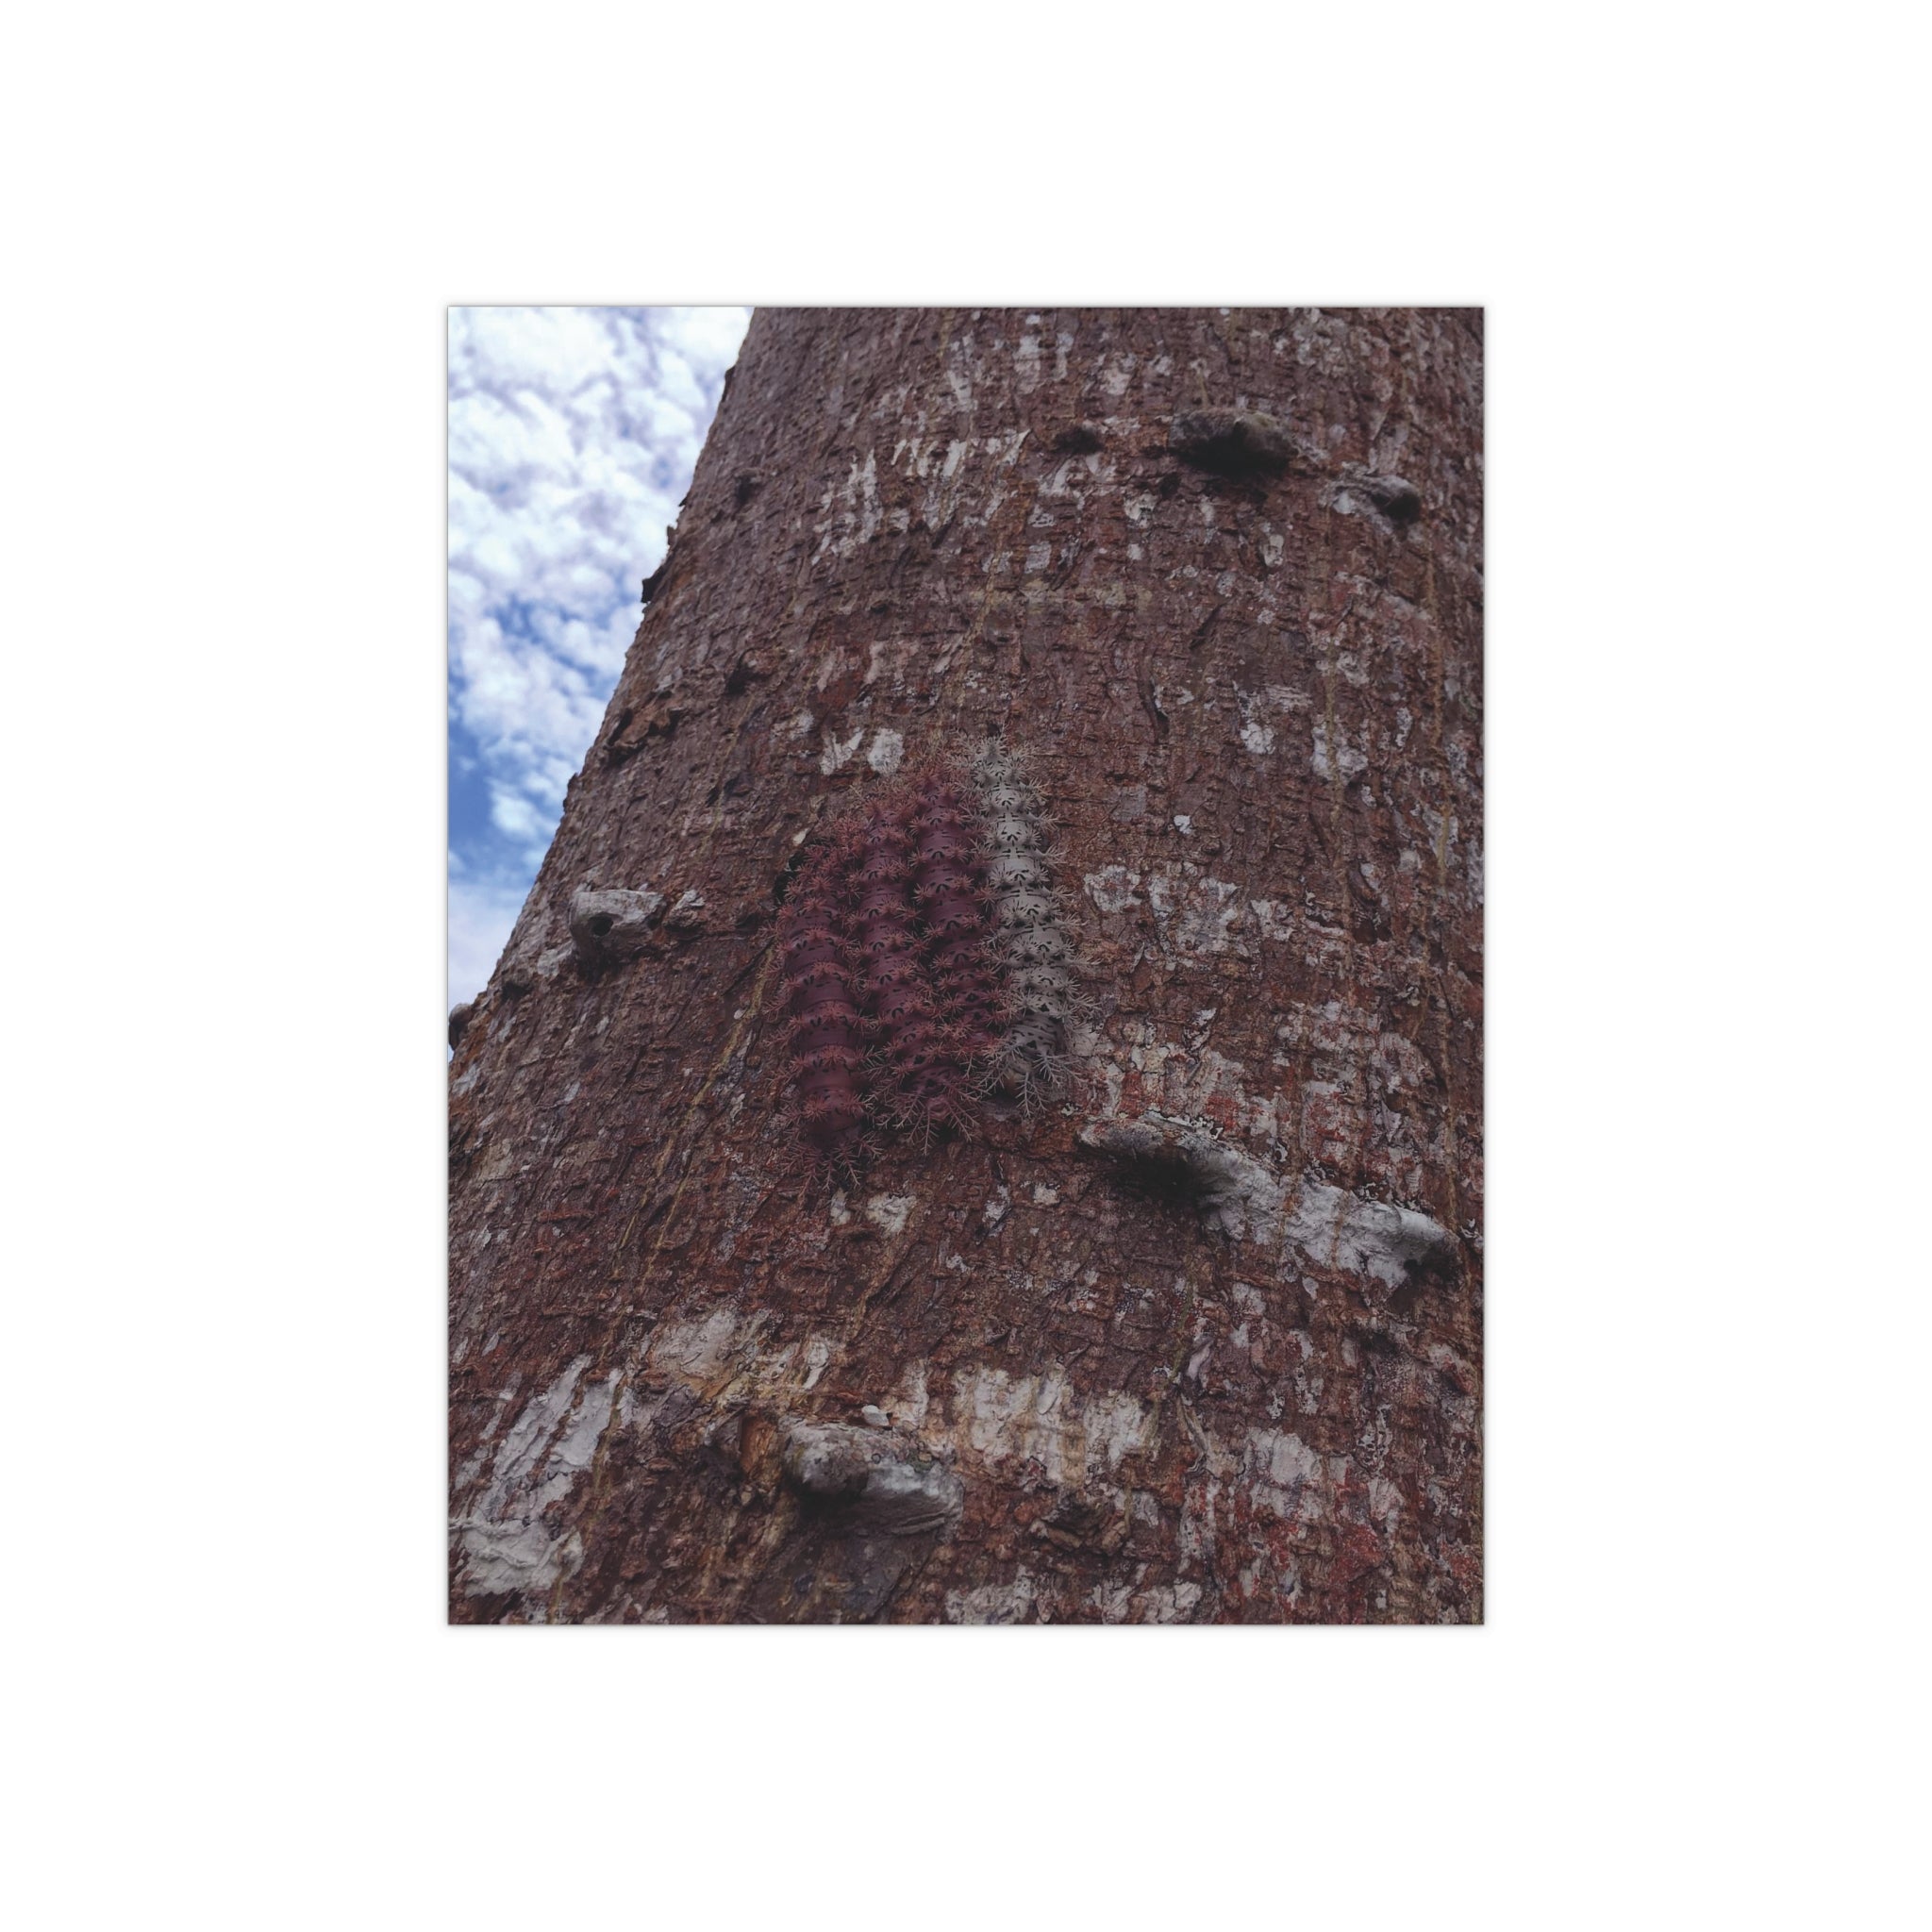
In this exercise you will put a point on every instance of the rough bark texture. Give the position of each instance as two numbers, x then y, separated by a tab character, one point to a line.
1200	1341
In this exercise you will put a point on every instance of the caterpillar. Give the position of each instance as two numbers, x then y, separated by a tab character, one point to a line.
924	1065
825	1029
1030	936
950	890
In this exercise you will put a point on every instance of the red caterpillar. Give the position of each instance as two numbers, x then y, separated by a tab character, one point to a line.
924	1070
825	1027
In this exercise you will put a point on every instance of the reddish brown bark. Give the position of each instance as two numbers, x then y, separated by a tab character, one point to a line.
1199	1339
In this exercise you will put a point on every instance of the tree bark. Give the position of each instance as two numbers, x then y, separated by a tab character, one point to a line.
1199	1339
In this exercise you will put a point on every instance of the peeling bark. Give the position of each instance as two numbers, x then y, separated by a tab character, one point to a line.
1199	1339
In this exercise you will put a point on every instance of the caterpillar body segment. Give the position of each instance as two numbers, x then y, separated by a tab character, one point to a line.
1012	871
1036	945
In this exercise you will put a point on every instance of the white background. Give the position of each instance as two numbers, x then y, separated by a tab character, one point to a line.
1700	1696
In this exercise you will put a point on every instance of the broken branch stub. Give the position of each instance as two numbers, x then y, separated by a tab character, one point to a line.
1236	442
881	1482
1397	498
1388	1248
611	925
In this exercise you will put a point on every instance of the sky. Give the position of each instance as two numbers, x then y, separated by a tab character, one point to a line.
572	434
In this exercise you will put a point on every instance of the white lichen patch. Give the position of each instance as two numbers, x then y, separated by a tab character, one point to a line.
1195	915
887	753
1258	733
506	1541
851	514
909	1401
1271	920
1186	1081
1286	1480
1340	760
695	1351
839	751
1164	1603
1114	889
999	1418
991	1603
1114	1426
889	1213
1002	1417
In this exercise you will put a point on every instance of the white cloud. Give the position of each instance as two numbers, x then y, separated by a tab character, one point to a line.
572	434
515	815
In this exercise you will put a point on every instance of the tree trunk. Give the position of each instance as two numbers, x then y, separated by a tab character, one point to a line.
1199	1338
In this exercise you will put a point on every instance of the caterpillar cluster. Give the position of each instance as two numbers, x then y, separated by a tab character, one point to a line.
924	960
1029	929
923	1061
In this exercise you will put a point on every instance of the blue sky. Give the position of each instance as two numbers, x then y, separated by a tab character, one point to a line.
572	434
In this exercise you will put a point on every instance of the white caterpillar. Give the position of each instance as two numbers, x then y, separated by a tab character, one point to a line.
1029	931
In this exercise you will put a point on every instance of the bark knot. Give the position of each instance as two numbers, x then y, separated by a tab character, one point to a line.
878	1481
1235	441
610	926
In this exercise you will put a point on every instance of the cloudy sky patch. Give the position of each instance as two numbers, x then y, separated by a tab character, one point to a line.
572	434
